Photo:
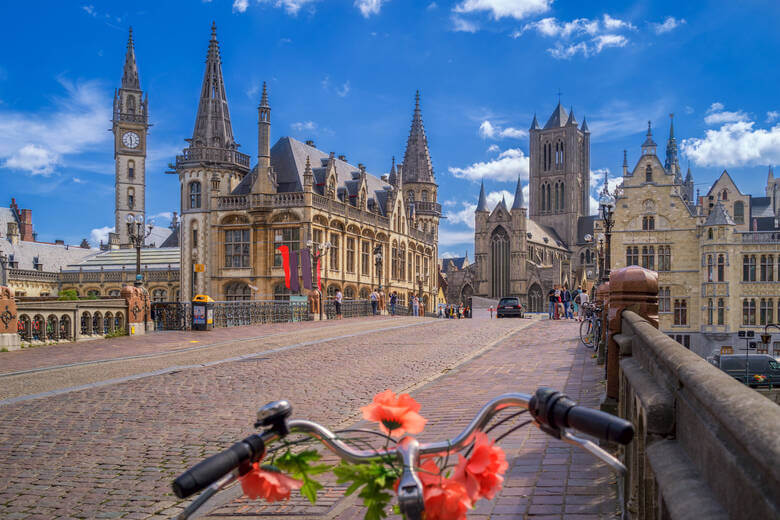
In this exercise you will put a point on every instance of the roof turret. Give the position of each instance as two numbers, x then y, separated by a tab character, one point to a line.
535	124
557	118
584	127
571	120
519	202
417	159
482	204
130	72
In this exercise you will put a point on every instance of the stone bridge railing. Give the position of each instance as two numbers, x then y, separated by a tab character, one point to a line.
706	446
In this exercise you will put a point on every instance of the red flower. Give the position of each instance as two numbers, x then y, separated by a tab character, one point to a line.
481	474
446	500
395	415
268	483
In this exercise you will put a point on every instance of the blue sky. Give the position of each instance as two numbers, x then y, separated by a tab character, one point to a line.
343	73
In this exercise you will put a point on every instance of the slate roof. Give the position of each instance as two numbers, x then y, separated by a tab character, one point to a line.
288	159
51	256
158	236
764	224
537	233
558	118
455	262
585	227
156	258
6	216
761	207
172	240
719	217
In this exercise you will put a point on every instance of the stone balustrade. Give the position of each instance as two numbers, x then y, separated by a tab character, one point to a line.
212	155
760	237
32	275
706	445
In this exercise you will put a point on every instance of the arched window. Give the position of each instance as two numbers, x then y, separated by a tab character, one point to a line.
649	173
159	295
721	311
709	234
349	293
237	291
499	262
401	263
710	269
364	293
724	195
710	311
281	292
424	196
130	198
131	169
739	212
332	289
549	199
587	256
556	203
681	312
562	198
195	195
721	267
582	258
749	312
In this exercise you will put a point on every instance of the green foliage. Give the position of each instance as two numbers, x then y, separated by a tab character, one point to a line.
300	466
116	333
4	349
68	294
375	478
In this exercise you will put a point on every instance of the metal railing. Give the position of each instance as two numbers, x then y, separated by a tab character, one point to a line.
212	155
349	308
238	313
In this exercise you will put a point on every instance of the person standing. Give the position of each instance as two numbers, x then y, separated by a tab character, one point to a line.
393	301
575	302
374	301
337	302
416	306
411	305
584	299
551	307
566	297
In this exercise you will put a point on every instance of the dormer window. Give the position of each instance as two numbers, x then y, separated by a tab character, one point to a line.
37	265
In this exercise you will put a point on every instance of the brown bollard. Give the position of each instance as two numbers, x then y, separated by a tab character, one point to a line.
636	289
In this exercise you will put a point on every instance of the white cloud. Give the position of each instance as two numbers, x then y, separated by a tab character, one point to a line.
164	215
586	36
460	24
517	9
448	237
291	7
449	254
735	144
488	130
509	164
669	24
89	9
240	6
432	6
100	234
493	148
344	90
78	181
689	109
304	126
772	116
39	142
369	7
716	115
597	177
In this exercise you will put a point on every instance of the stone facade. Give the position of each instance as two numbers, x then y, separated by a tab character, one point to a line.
717	255
234	218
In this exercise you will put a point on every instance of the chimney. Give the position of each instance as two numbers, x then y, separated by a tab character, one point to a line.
13	233
755	224
113	241
59	242
343	158
309	142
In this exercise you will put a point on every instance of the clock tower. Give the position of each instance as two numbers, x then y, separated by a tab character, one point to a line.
130	124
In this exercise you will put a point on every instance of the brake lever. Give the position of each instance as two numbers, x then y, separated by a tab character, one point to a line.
594	450
208	493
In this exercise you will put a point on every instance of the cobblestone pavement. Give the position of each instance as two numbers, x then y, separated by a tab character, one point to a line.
111	451
547	479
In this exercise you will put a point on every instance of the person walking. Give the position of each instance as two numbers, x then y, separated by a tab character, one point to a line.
552	306
374	301
575	302
584	299
337	301
416	306
393	301
566	296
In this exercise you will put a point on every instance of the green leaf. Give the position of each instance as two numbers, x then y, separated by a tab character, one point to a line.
374	479
299	466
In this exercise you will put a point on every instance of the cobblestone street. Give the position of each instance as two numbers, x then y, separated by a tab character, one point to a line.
111	450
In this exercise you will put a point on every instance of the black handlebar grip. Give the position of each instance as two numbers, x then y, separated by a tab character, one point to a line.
600	424
213	468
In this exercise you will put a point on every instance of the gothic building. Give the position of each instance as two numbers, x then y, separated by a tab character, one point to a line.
234	217
524	251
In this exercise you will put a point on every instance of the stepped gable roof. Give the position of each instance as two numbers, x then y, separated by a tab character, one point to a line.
153	258
719	217
558	118
51	256
288	160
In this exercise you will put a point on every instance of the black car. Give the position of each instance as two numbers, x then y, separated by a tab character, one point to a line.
509	307
758	365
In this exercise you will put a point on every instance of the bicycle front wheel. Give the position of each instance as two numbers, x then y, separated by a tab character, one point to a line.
586	333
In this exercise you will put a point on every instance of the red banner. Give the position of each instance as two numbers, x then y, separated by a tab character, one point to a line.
319	284
285	252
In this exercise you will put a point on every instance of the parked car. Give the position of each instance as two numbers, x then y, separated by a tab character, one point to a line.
758	365
509	307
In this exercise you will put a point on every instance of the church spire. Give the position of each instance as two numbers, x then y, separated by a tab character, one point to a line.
212	124
649	146
519	202
130	72
672	164
417	159
264	130
535	124
482	204
391	178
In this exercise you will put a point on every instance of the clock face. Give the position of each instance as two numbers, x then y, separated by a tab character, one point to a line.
130	139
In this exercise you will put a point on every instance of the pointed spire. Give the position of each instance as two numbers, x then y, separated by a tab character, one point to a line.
417	159
130	72
503	201
482	204
264	130
625	163
672	164
535	124
391	179
689	175
557	118
649	146
519	202
571	120
584	127
308	176
770	176
264	97
212	123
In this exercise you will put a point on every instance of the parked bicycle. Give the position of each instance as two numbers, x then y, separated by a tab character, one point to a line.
551	411
590	328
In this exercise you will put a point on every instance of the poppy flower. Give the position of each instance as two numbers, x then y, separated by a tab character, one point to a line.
396	415
268	483
446	500
482	473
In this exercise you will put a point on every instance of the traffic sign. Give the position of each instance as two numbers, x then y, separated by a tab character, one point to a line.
199	268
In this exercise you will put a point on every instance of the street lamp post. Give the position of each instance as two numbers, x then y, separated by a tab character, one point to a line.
315	257
137	235
607	207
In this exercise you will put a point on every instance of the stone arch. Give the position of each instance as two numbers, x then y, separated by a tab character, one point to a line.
119	321
349	292
535	298
97	323
364	293
499	262
368	233
65	328
286	215
237	290
466	292
108	323
320	220
52	328
332	289
38	328
86	323
235	219
352	228
337	224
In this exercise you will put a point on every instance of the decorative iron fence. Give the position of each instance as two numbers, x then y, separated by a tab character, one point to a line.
172	315
235	314
349	308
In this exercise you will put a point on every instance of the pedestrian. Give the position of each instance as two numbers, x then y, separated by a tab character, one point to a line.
566	302
411	305
337	302
416	306
374	301
551	306
584	299
393	301
575	302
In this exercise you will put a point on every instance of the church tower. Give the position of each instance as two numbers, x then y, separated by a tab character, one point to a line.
209	167
559	179
130	125
418	183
